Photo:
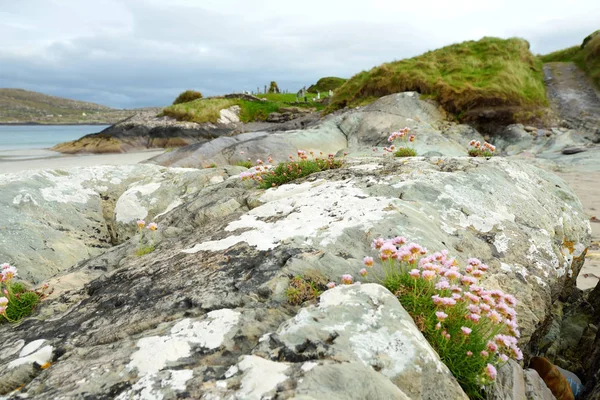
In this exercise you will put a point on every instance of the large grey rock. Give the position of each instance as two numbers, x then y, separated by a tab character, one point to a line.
53	219
353	329
353	131
228	252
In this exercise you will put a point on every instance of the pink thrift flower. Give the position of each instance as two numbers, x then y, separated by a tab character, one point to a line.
484	354
428	275
495	317
490	371
493	347
448	301
474	317
473	309
388	249
466	331
441	315
485	307
347	279
469	353
510	300
472	297
438	326
363	272
469	269
141	223
442	285
452	274
377	243
503	357
3	301
331	285
415	273
437	300
468	280
368	261
477	273
399	240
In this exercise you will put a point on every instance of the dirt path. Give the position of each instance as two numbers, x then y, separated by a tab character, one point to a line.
573	97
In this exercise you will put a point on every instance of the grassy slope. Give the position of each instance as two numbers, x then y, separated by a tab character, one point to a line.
488	72
586	56
327	84
207	110
19	106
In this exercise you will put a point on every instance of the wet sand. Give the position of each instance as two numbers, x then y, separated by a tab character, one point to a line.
586	186
21	160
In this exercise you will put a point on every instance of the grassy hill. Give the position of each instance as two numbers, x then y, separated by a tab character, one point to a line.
586	56
490	72
208	109
326	84
22	106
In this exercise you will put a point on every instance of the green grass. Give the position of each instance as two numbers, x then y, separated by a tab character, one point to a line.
143	250
461	77
187	96
289	171
586	56
326	84
405	152
208	110
21	302
245	164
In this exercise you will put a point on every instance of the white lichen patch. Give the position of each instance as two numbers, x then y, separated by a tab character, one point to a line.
155	352
340	206
391	351
260	377
24	198
366	167
129	207
31	347
40	357
501	242
174	204
151	387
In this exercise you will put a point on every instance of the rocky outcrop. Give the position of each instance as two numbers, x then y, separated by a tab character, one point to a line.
54	219
146	131
355	131
205	314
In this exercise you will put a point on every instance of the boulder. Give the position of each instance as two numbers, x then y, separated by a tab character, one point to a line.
145	130
356	132
54	219
206	312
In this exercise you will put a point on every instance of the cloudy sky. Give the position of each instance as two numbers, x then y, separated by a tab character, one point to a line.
134	53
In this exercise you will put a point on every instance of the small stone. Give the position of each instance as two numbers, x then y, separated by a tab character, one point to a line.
530	128
573	149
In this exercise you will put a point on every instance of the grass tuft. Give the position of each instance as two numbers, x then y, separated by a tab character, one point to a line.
307	288
187	96
405	152
326	84
461	77
288	171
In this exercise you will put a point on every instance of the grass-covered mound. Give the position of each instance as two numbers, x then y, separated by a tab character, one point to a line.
187	96
327	84
461	77
208	110
586	56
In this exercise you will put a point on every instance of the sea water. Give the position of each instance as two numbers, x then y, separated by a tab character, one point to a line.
23	137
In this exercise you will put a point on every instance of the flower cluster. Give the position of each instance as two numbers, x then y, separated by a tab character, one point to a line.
481	150
268	175
459	317
403	150
16	301
152	227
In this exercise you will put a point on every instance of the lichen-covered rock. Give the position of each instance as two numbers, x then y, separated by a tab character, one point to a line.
229	250
52	220
354	131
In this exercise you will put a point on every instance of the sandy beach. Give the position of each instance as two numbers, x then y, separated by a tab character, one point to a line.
21	160
587	187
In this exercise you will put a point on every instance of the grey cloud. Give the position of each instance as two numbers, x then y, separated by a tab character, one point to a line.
149	52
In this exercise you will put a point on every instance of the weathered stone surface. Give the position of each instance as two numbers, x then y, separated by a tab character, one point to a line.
536	389
354	329
229	250
55	219
145	130
354	131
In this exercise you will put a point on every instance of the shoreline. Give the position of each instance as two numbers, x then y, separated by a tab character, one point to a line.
14	161
65	124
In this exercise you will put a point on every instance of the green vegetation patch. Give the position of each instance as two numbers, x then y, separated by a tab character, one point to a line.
289	171
208	110
461	77
187	96
326	84
306	288
586	56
